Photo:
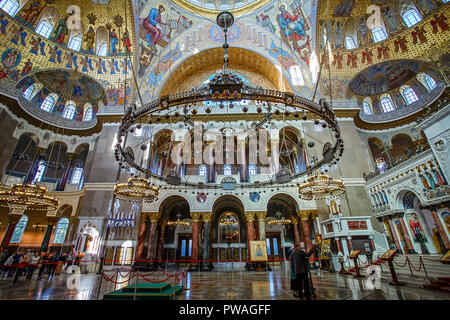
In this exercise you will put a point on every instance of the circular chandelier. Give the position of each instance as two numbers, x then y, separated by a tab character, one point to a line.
136	188
319	186
29	196
226	87
178	222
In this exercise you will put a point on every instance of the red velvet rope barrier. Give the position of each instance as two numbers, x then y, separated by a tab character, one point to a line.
401	266
116	282
411	265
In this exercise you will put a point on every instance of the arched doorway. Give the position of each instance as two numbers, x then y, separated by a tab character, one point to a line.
228	232
418	223
175	242
280	237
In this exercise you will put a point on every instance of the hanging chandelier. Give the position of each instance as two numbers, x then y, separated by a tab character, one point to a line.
280	220
28	196
319	186
39	227
178	222
227	88
136	188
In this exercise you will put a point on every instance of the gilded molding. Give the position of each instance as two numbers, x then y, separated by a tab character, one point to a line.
207	216
196	216
154	216
261	215
249	216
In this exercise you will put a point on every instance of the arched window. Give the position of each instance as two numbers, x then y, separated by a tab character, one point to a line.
61	230
427	81
32	90
77	174
387	105
101	41
296	76
378	34
87	112
252	169
44	28
350	43
367	105
227	170
69	110
411	17
102	50
11	7
42	165
48	103
351	35
408	94
75	43
202	170
27	94
19	230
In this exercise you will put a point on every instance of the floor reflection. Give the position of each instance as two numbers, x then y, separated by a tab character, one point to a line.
223	285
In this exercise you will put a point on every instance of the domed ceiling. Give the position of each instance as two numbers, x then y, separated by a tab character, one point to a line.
384	77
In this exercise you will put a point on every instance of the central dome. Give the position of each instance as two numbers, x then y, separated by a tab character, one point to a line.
211	7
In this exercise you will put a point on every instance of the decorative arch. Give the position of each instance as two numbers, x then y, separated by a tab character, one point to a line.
286	198
427	81
49	16
402	146
409	13
61	231
351	34
32	90
101	41
408	94
75	39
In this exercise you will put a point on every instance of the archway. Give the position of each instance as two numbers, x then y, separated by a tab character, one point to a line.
419	223
228	232
279	237
174	242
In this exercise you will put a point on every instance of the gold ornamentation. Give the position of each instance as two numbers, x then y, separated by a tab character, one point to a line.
304	214
249	216
196	216
319	186
154	216
207	216
136	188
261	215
30	196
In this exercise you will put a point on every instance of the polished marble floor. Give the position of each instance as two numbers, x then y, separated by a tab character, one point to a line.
220	285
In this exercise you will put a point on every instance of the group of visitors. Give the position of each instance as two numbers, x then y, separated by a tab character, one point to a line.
28	262
300	281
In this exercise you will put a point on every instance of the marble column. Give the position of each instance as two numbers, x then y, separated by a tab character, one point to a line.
304	216
141	236
206	264
440	228
242	160
154	217
338	244
250	217
262	225
296	230
51	222
195	224
160	250
65	176
394	234
13	220
350	244
408	242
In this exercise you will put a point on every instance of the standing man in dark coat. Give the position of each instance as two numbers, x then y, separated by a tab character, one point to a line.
299	259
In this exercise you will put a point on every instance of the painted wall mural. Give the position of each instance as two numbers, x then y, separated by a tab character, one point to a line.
168	35
104	39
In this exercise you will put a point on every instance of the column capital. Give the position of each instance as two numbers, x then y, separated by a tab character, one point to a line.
207	216
349	237
314	214
153	216
304	214
294	219
17	210
261	215
249	216
144	216
196	216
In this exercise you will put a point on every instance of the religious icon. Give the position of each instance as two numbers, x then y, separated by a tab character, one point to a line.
258	251
153	33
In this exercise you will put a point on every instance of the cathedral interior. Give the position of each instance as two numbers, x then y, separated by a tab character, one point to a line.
191	144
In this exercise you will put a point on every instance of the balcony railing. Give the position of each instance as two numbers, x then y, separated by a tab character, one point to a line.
396	162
